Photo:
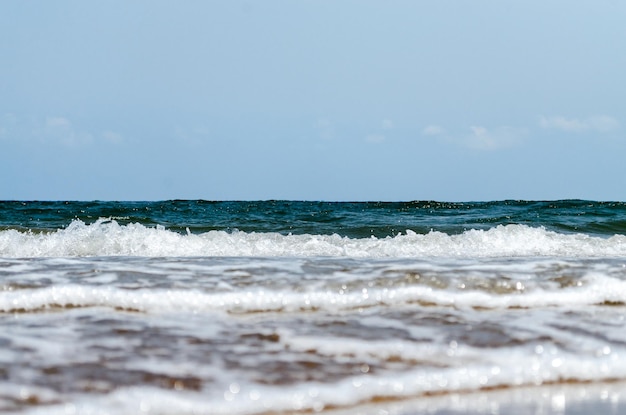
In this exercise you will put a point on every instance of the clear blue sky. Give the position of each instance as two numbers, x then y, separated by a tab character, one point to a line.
317	100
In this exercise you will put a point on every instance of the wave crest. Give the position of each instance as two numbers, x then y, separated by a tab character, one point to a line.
106	237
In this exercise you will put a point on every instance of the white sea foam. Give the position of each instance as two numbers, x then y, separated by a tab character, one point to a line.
245	398
593	289
422	367
108	238
405	340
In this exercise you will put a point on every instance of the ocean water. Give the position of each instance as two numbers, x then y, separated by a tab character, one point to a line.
273	307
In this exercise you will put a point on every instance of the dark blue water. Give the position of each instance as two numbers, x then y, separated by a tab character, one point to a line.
352	219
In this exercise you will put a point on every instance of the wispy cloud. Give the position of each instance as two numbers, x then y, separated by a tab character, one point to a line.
192	136
375	138
325	129
53	130
58	122
387	124
379	134
433	130
61	130
112	137
479	137
596	123
482	138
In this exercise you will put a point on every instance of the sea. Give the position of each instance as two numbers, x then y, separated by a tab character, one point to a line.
288	307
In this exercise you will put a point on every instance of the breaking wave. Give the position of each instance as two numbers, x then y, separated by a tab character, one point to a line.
106	237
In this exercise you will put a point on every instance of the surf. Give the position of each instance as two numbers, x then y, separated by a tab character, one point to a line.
107	237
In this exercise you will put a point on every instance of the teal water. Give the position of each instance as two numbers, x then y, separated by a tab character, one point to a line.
355	220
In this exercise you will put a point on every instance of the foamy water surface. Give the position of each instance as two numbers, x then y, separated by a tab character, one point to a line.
114	317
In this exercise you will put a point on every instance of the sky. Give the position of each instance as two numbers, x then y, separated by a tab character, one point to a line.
313	100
